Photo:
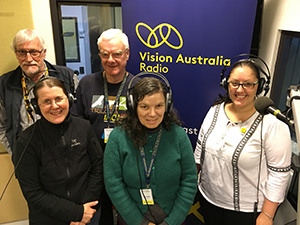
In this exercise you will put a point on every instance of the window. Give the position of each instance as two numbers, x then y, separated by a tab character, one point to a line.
70	36
287	68
76	28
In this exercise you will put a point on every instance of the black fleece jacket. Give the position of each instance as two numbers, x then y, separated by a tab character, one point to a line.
60	170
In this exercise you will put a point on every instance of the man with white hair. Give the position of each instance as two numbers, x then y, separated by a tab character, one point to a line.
16	111
110	86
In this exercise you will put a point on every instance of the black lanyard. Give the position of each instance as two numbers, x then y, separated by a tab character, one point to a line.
108	114
142	152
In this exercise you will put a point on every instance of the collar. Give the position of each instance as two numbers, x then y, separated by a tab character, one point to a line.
63	125
152	131
14	79
105	77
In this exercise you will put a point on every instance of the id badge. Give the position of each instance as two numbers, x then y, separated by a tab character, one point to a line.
146	195
107	132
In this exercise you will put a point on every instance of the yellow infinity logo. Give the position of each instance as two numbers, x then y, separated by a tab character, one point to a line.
163	37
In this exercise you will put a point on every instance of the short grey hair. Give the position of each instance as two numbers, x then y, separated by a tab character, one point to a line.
26	35
114	33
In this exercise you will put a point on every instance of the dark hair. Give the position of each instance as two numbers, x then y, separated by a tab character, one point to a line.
131	124
50	82
239	64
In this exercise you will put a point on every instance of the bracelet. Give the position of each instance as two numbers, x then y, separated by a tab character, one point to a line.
267	215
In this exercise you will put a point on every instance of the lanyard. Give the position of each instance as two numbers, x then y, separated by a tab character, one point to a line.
108	114
26	95
142	152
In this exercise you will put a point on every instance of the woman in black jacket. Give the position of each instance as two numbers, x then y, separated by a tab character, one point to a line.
58	161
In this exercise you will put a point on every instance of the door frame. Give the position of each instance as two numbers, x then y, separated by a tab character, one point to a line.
57	25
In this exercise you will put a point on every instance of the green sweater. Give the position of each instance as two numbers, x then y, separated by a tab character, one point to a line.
173	178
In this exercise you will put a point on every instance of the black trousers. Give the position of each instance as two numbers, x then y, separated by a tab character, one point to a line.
214	215
106	217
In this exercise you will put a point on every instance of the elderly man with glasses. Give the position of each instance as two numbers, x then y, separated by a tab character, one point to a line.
101	96
16	111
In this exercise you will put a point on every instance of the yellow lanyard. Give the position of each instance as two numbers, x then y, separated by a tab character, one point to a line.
26	95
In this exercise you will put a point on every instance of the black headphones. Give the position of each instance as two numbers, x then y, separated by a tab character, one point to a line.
263	84
33	102
169	97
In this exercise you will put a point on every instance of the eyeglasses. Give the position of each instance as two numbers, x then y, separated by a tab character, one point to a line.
48	103
246	86
33	53
115	55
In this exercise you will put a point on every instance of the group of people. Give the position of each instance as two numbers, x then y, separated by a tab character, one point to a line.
121	144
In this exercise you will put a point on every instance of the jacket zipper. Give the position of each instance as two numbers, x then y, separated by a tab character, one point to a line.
66	158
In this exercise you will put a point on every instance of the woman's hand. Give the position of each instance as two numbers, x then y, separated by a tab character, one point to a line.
267	214
88	212
262	219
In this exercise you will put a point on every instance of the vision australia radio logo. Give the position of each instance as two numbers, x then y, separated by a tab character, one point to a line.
167	34
162	34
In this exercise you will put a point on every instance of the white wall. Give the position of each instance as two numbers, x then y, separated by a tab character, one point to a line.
43	25
277	15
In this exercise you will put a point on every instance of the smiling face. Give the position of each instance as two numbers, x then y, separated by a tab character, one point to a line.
151	110
33	67
53	103
240	97
114	67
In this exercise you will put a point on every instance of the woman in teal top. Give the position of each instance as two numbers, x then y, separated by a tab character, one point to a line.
149	169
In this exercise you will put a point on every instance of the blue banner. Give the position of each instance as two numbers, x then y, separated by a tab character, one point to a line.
189	42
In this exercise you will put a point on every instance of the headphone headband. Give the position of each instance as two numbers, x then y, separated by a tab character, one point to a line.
263	83
149	73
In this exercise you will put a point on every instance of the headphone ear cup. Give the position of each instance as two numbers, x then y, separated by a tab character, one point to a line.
129	103
169	103
35	106
261	85
224	83
70	99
